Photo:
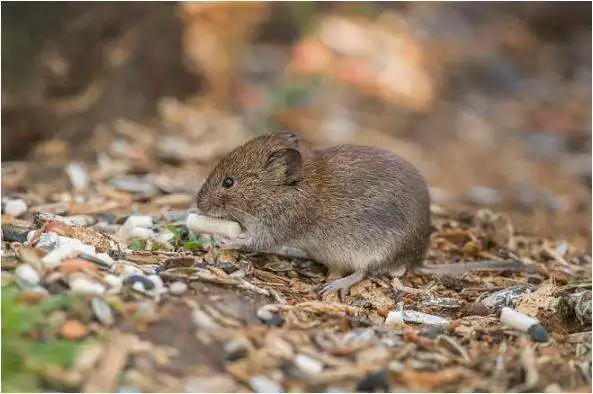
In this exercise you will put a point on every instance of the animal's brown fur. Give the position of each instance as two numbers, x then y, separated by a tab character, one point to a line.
352	208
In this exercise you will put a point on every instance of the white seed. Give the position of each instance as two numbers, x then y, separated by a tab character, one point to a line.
516	319
78	176
308	365
398	317
103	311
178	288
80	284
16	207
261	384
27	276
204	224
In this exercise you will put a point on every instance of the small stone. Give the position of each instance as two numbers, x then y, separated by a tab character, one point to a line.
126	270
264	314
374	382
235	350
73	330
32	297
105	258
16	207
88	356
178	288
227	267
431	332
142	221
538	333
102	311
376	355
158	283
138	280
483	195
308	365
261	384
78	176
27	276
275	321
209	384
71	266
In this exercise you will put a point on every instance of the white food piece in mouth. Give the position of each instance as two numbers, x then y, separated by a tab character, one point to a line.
205	224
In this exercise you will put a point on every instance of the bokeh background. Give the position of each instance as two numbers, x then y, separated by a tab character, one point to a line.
492	101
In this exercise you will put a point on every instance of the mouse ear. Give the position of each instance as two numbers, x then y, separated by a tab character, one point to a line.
287	137
285	165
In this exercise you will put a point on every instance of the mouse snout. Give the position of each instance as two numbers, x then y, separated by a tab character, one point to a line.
209	204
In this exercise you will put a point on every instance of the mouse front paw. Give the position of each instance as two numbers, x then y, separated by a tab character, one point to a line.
241	242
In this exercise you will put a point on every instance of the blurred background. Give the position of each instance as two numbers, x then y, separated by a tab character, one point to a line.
492	101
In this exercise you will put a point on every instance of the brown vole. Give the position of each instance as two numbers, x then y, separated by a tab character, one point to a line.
357	210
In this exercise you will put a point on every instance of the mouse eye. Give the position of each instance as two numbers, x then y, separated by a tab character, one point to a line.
228	182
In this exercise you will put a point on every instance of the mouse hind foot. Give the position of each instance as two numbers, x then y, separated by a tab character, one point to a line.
341	285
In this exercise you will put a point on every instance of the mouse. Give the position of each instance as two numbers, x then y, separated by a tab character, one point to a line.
358	210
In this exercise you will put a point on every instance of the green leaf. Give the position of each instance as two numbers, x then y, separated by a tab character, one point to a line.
136	245
192	245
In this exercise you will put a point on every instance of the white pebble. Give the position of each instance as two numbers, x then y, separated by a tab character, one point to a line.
79	220
516	319
159	286
204	224
209	384
261	384
114	282
394	318
308	365
416	317
125	270
165	237
65	249
78	176
26	276
16	207
142	221
178	288
140	233
80	284
104	257
139	286
264	314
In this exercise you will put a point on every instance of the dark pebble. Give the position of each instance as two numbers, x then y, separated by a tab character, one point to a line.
147	283
275	321
159	269
431	332
12	233
236	354
100	263
538	333
107	218
374	382
228	267
202	266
